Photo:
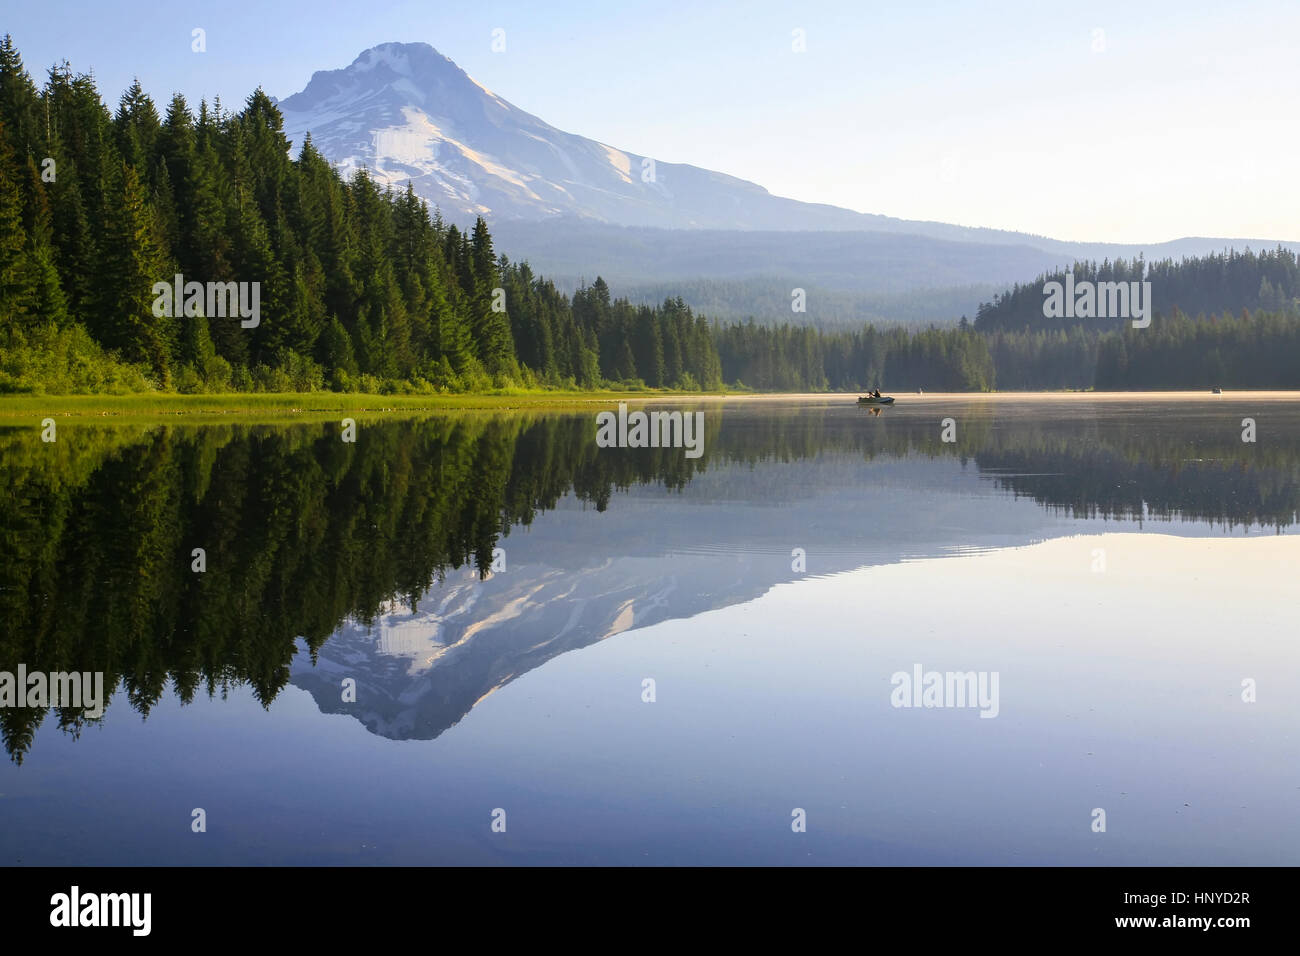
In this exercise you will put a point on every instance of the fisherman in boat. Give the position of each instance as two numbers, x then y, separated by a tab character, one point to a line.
875	393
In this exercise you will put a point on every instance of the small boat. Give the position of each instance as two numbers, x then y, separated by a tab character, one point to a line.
875	401
1216	391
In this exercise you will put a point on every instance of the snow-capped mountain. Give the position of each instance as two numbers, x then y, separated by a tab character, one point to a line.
405	111
576	208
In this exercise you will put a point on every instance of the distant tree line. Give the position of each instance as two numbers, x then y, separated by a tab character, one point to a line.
1246	351
1245	334
1205	285
799	358
766	299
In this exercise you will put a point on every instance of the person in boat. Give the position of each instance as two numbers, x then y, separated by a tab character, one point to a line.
875	393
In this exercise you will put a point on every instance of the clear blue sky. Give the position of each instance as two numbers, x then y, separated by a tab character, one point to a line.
1178	120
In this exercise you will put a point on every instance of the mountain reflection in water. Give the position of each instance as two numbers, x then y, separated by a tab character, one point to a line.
373	560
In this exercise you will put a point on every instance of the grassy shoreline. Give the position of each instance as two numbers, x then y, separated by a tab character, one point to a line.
308	404
285	405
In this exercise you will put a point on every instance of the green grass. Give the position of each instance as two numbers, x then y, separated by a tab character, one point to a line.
284	405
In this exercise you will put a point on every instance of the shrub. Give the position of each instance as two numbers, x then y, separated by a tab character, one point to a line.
49	360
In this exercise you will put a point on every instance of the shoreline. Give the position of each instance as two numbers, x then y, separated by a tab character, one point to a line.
284	405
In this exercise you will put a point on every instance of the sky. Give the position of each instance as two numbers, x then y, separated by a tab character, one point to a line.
1105	121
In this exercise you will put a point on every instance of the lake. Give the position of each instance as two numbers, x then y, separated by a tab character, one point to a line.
960	630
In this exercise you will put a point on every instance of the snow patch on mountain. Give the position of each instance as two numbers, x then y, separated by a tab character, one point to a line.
620	161
410	144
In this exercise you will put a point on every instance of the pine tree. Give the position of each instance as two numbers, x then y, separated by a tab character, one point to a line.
176	158
136	126
491	328
19	105
134	261
48	303
16	271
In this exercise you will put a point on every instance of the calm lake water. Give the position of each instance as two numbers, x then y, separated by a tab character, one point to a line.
631	656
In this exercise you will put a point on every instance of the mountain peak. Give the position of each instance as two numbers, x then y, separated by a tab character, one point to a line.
408	70
402	59
407	112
